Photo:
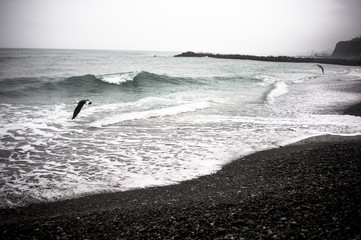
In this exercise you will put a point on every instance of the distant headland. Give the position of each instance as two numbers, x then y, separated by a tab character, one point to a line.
348	49
345	53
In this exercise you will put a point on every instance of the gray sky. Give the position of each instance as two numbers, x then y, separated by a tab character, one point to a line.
259	27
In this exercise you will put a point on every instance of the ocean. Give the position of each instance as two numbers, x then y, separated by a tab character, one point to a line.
154	119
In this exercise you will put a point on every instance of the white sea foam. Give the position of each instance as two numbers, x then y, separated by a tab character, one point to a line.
118	78
280	88
160	112
355	74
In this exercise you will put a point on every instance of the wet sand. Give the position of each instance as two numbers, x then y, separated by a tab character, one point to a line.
354	110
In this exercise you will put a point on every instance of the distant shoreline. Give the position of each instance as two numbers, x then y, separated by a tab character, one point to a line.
336	61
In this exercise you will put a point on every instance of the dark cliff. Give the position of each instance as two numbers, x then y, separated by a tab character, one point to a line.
348	49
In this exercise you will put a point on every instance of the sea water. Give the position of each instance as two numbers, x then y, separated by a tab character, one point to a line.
154	119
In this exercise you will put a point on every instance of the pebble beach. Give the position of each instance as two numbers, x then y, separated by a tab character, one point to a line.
308	190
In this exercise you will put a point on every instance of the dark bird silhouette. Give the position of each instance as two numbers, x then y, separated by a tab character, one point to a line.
80	105
323	71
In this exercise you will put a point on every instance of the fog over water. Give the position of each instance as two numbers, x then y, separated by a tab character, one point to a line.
258	27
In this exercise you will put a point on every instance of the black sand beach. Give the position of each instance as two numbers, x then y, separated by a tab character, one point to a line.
309	190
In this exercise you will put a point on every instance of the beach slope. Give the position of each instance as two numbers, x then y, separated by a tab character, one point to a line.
308	190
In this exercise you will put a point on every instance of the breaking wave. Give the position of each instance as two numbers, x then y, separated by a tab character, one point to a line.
29	86
118	78
279	89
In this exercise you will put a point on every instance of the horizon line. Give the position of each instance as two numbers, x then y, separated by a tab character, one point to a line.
310	53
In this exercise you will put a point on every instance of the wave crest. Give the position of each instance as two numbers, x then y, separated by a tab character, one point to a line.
280	88
89	83
118	78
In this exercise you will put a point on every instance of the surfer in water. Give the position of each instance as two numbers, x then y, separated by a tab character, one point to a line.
323	71
79	107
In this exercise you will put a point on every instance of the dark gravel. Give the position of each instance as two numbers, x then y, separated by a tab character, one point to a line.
310	190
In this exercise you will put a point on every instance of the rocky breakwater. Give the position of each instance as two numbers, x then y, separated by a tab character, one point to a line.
330	60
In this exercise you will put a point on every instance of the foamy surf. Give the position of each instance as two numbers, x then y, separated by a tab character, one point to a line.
160	112
170	120
118	78
280	88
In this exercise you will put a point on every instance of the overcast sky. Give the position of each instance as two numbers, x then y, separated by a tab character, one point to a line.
260	27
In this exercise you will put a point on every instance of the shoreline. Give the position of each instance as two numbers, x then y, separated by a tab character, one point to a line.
328	60
310	189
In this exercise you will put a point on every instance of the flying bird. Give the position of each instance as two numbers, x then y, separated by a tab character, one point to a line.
323	71
80	105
